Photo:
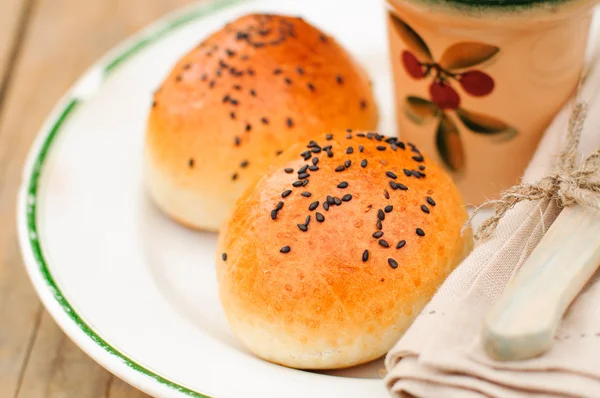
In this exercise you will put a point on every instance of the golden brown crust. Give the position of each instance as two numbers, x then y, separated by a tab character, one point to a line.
233	103
321	305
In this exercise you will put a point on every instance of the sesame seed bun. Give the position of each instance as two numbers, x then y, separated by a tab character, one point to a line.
333	279
231	106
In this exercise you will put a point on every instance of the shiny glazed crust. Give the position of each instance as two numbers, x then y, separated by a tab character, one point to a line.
231	105
325	304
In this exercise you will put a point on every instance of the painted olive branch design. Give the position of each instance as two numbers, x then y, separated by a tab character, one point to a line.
454	67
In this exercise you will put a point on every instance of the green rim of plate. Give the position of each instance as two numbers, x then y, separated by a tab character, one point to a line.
141	41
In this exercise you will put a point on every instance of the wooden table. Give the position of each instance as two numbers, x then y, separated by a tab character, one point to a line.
44	46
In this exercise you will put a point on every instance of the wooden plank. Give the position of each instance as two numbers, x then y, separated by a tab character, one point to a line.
119	389
12	18
58	368
64	37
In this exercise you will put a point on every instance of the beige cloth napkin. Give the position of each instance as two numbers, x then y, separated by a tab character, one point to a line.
441	355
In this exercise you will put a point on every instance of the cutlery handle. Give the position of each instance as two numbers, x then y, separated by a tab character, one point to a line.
523	322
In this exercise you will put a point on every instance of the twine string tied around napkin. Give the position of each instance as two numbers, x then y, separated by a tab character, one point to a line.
567	184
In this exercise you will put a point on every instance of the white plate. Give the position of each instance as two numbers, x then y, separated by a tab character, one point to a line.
135	291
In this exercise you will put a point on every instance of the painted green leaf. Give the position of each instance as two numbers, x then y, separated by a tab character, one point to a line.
449	145
467	54
484	124
413	41
420	110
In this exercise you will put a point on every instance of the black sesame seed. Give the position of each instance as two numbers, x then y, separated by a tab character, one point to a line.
236	141
223	64
306	194
388	208
393	185
421	167
264	120
302	227
365	256
230	53
277	71
248	127
232	115
211	84
244	164
401	144
307	221
250	72
393	263
288	81
273	214
349	150
285	249
300	70
329	137
420	232
237	87
311	86
315	160
312	144
339	79
329	152
337	201
323	38
347	163
286	193
418	158
401	244
278	152
302	169
363	163
289	122
326	206
347	198
234	102
305	182
224	256
361	148
379	225
381	148
430	201
313	205
313	168
425	209
421	174
288	170
279	206
191	163
402	187
320	217
348	130
391	175
380	215
343	185
154	104
383	243
306	155
340	168
297	184
378	234
386	194
234	176
330	200
363	104
407	172
253	93
316	150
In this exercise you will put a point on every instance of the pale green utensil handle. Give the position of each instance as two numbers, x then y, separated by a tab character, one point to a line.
523	322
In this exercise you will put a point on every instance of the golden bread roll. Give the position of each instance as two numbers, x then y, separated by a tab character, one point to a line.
231	106
328	259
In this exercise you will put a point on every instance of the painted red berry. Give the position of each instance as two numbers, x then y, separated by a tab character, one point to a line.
412	65
444	96
477	83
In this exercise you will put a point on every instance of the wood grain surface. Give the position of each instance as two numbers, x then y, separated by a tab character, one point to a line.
44	46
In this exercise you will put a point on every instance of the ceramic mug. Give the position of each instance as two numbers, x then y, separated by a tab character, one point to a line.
478	82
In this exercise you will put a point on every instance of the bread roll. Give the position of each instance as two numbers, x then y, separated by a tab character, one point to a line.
231	106
328	259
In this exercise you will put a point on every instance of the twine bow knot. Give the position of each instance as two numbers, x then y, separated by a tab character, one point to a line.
567	184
